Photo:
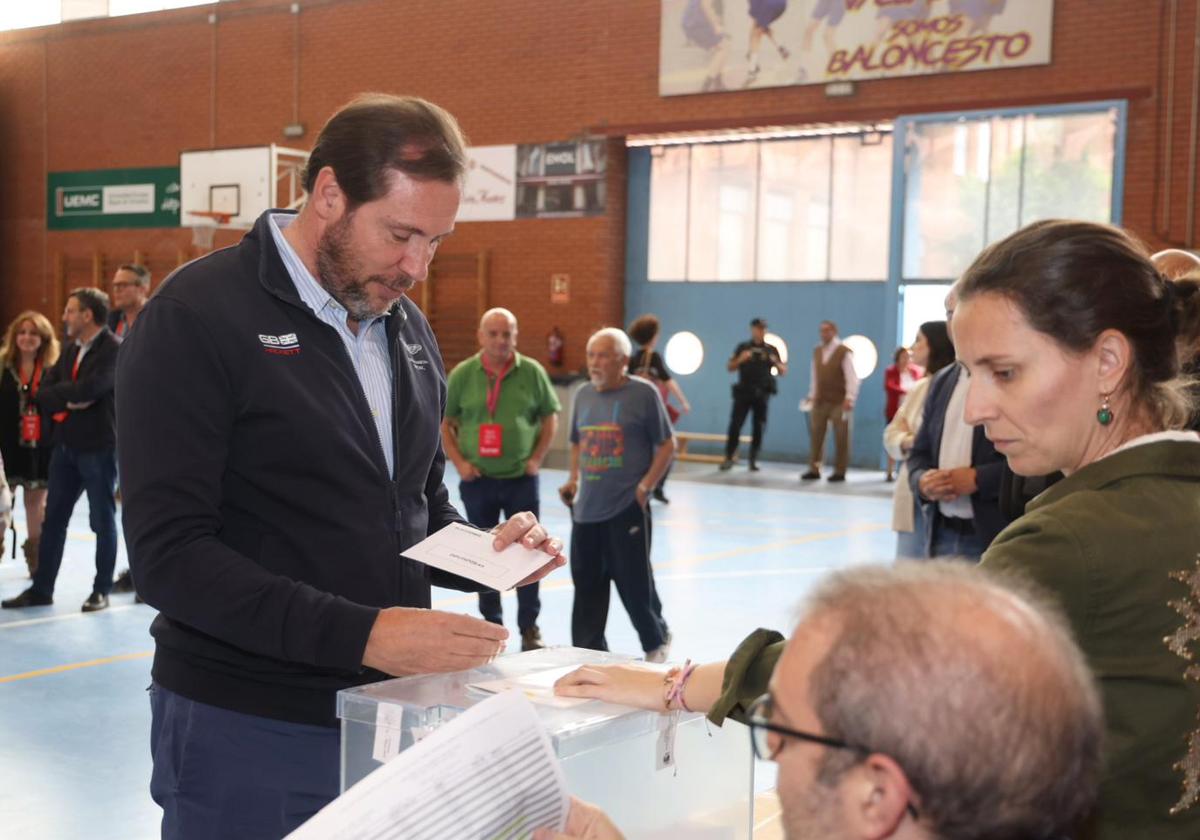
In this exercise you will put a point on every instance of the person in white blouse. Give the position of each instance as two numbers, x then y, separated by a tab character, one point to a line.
932	350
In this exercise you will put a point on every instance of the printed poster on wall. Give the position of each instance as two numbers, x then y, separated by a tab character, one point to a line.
490	191
719	45
561	180
113	198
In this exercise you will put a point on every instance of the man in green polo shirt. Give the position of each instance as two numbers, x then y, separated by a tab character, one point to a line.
501	414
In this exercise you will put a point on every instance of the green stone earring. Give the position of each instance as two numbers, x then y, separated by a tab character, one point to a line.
1104	415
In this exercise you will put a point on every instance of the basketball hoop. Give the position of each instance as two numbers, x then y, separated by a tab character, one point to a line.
204	228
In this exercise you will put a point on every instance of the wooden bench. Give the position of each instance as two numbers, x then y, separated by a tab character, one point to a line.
682	439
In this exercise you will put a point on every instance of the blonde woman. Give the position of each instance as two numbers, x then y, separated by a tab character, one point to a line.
30	348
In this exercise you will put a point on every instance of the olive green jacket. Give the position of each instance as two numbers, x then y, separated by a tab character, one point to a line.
1118	543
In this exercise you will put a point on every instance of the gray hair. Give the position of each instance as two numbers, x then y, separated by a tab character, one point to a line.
621	342
498	310
972	684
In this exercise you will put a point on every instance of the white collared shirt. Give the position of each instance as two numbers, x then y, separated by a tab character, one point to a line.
955	450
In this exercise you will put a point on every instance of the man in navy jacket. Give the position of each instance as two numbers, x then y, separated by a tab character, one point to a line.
280	405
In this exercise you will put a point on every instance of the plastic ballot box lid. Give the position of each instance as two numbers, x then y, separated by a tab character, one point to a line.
419	704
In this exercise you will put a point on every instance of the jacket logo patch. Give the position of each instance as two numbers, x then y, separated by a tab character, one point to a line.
413	350
280	345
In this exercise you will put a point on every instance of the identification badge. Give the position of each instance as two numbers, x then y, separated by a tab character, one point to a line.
31	429
491	440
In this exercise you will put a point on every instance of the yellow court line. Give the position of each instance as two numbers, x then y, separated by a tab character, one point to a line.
73	666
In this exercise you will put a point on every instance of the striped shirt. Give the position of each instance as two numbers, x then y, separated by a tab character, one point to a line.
368	350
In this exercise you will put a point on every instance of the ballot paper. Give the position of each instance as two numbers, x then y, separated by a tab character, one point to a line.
466	551
490	772
538	687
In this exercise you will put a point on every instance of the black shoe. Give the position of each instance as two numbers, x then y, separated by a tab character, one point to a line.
811	475
754	465
658	496
837	477
726	465
95	602
124	582
531	639
28	598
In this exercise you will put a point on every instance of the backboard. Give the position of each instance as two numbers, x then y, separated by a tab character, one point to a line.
241	183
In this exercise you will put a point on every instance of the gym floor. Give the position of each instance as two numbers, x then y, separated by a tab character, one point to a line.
732	552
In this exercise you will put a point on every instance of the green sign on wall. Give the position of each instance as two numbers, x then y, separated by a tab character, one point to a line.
113	198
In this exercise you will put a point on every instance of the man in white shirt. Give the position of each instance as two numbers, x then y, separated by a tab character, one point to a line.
832	390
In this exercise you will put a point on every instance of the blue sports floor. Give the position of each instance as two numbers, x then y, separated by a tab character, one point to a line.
732	552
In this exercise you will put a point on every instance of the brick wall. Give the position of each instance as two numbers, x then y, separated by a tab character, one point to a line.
134	91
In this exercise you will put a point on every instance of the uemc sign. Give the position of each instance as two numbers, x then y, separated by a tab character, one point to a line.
123	198
113	198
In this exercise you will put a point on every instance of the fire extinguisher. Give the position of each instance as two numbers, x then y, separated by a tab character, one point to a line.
554	348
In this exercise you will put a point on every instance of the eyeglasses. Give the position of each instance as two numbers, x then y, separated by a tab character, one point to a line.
758	719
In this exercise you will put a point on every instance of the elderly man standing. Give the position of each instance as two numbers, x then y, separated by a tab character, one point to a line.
621	444
921	701
501	415
832	390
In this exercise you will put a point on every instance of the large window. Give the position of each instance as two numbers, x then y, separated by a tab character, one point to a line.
973	181
807	208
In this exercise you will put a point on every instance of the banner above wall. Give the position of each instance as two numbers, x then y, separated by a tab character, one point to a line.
549	180
490	191
719	45
113	198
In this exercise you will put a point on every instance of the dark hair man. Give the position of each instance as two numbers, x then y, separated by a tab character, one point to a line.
832	391
280	404
755	362
130	290
78	393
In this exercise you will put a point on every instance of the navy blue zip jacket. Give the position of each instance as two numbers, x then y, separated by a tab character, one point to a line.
258	512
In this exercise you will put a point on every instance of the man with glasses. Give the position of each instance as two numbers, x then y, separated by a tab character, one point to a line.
917	701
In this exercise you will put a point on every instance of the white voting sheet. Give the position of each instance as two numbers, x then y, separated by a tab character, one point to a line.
466	551
490	772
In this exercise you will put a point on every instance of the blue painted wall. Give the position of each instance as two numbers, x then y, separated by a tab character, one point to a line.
720	313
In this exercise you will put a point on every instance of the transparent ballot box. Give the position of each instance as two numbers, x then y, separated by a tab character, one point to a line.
611	755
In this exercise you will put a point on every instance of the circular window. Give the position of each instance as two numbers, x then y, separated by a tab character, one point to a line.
780	345
866	357
684	353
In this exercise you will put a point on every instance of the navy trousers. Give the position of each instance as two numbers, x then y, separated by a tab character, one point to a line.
485	499
616	551
72	473
220	774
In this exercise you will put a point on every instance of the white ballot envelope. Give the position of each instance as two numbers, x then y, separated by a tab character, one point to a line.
538	687
490	772
466	551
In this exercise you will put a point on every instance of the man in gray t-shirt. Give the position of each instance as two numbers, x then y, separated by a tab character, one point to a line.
621	445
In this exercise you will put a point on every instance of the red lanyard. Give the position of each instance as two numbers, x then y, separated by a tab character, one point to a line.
35	379
493	394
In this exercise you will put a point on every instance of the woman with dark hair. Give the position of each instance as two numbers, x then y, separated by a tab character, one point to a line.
1068	333
933	351
648	364
898	379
